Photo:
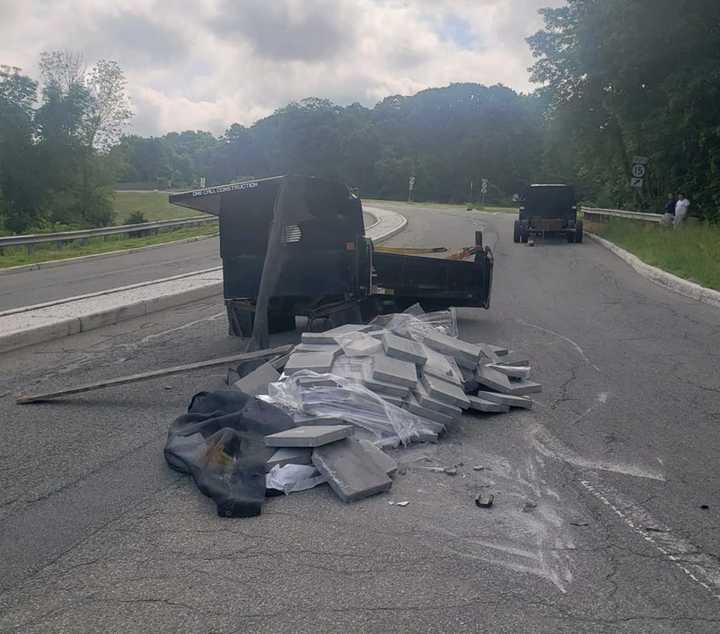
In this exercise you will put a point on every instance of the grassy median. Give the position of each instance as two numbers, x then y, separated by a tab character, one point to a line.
691	252
18	256
153	205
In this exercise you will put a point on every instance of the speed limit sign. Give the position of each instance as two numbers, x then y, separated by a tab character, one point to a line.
638	170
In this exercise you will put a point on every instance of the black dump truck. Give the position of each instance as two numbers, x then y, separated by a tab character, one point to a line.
296	245
548	209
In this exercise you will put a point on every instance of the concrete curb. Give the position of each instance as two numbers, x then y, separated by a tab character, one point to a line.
39	323
660	277
49	264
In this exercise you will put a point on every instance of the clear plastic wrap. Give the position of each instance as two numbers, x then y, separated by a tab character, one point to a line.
359	344
352	402
291	478
414	323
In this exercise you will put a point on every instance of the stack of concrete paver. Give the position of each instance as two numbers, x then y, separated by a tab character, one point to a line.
354	469
434	378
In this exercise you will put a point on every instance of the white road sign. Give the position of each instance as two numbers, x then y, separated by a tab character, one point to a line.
638	170
411	183
484	186
637	183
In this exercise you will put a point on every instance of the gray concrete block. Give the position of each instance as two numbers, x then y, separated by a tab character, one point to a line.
512	371
318	347
312	381
392	400
515	358
493	379
404	349
319	420
290	455
309	436
506	399
385	462
414	407
256	382
394	371
425	400
444	391
522	387
319	362
386	389
350	472
481	405
466	354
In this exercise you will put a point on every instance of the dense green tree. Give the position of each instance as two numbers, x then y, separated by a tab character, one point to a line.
627	78
21	196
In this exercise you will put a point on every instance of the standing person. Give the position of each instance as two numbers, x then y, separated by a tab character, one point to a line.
681	209
669	215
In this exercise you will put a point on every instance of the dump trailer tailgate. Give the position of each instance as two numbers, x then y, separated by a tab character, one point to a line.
435	282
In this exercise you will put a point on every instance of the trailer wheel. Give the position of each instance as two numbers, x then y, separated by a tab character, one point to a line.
516	231
524	233
570	235
579	231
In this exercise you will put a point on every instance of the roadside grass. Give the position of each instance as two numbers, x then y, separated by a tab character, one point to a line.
18	256
691	252
153	205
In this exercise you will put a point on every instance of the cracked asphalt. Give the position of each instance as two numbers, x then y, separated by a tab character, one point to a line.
618	454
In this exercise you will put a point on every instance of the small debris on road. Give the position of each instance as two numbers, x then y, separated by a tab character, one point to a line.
529	507
484	503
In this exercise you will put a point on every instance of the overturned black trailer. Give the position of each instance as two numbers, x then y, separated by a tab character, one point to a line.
296	245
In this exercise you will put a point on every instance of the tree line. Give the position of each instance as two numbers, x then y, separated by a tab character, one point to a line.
55	166
616	79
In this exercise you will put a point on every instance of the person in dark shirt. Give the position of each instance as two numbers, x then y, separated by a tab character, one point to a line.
669	215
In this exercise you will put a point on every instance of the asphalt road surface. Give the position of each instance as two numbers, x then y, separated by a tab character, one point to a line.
619	455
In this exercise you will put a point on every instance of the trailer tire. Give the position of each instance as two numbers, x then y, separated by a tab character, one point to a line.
570	235
516	231
579	232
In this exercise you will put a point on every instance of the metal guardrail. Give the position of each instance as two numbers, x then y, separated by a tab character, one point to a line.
30	240
593	214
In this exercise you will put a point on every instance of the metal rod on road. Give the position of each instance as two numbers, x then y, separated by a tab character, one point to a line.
24	399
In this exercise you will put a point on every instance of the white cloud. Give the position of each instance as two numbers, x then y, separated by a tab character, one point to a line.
206	64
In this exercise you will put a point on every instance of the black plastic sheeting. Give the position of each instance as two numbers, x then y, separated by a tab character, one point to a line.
220	442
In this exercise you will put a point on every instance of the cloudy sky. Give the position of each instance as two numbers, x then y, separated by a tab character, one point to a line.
203	64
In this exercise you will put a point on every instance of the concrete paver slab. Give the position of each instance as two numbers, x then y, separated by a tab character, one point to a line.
423	398
481	405
387	463
404	349
351	473
319	362
394	371
309	436
445	391
256	382
506	399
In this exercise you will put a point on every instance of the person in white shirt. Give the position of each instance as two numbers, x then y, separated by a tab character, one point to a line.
681	209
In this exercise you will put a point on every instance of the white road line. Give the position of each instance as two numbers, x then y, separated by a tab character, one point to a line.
700	567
